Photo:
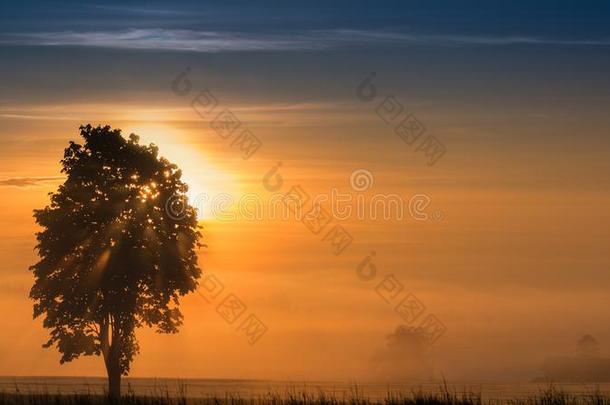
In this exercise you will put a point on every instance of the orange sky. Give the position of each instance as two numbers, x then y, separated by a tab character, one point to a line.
514	265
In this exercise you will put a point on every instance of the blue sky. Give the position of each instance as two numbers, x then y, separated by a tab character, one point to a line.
286	25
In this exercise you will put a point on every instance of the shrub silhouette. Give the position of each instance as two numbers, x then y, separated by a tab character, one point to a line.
117	250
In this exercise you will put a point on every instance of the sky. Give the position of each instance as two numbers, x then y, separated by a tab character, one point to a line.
508	250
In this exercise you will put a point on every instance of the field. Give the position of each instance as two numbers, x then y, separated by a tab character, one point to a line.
444	396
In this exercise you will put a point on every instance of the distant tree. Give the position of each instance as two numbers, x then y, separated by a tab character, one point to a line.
117	250
406	356
408	340
588	346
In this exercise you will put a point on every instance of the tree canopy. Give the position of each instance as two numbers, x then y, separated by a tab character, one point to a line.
118	248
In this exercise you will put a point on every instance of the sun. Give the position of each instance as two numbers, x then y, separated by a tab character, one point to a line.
205	180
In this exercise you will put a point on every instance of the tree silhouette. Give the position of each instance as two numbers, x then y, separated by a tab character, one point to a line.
588	346
117	250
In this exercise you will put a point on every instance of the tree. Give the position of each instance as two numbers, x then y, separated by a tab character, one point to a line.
117	250
406	356
588	346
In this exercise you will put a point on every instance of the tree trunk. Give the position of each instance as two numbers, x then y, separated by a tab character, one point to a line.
111	360
114	382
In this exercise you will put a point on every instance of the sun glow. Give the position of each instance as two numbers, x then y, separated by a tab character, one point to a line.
203	177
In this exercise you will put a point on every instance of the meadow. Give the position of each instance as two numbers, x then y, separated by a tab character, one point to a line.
443	396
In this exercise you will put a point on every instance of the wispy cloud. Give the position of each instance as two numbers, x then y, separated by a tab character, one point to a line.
259	112
36	117
26	182
217	41
142	10
164	39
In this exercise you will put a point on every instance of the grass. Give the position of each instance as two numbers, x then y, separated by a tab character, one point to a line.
550	396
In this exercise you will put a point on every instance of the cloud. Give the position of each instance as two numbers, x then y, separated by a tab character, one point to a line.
35	117
164	39
25	182
141	10
221	41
